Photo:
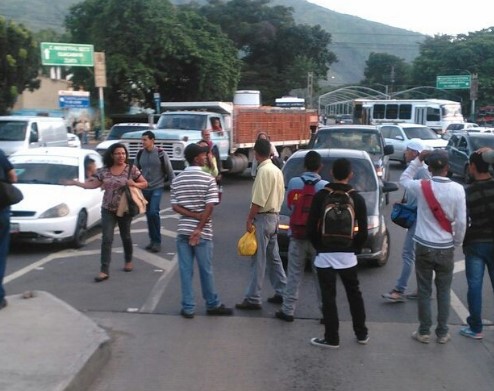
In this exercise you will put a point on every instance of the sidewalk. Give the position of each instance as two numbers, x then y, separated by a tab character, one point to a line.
49	346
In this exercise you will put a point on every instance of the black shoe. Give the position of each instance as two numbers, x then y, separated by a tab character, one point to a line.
101	277
149	246
276	299
281	315
3	304
187	315
220	311
155	248
247	305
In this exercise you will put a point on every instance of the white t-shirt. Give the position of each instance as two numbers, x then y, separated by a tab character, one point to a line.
335	260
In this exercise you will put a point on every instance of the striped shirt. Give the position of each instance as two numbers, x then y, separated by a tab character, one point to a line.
480	209
193	189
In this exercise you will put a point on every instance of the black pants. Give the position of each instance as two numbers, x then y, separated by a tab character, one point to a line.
327	282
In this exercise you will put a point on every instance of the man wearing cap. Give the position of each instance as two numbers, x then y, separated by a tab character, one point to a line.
193	195
397	294
268	192
478	245
434	240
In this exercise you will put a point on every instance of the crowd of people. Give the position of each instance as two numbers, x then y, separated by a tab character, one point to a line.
448	216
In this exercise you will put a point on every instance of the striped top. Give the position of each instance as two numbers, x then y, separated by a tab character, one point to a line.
480	209
193	189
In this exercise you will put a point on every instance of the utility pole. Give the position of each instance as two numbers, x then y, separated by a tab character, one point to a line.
310	88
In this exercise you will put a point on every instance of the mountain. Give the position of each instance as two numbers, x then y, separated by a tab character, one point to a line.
353	38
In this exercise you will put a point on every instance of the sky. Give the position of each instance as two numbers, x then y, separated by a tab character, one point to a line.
428	17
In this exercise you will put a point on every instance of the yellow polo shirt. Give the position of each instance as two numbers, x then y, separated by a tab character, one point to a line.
269	188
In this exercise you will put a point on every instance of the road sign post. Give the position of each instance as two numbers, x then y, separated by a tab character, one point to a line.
67	54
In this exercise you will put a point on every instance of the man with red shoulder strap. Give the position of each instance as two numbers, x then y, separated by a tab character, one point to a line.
434	245
300	249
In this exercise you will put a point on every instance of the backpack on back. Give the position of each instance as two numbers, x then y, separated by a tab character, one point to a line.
301	199
161	155
337	225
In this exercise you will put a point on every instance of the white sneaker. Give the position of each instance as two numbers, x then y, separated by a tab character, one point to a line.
444	338
424	338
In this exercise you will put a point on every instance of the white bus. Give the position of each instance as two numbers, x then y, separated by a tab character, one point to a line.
435	113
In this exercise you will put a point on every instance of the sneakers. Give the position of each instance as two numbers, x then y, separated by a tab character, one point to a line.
3	304
363	341
444	338
220	311
281	315
467	332
276	299
321	342
394	296
153	247
424	338
247	305
187	315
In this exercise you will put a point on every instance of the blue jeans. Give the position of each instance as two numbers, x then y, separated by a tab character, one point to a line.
477	257
299	251
153	198
267	258
408	258
428	261
203	253
108	222
327	281
4	245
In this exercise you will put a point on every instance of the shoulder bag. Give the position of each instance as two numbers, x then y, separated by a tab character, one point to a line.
132	201
9	194
403	214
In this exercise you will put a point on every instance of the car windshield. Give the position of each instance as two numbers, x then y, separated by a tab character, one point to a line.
117	131
183	121
349	139
421	133
45	173
13	130
364	177
479	142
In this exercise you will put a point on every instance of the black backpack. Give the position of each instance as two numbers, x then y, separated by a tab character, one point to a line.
337	225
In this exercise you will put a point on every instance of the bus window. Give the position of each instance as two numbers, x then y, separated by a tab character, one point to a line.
433	114
392	111
405	111
379	111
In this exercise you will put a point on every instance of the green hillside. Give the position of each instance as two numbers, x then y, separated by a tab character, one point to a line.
353	38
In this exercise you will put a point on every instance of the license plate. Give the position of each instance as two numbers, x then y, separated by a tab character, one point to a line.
14	228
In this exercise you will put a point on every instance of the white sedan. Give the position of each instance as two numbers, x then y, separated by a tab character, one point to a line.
51	212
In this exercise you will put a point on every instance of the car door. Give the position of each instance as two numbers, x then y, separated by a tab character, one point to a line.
393	136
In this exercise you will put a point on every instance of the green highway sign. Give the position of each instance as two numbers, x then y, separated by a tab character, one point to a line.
453	82
67	54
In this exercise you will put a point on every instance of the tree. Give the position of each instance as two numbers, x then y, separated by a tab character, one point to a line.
382	69
276	53
152	46
19	64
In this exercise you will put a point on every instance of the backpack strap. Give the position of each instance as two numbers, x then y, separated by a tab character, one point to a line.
138	157
435	207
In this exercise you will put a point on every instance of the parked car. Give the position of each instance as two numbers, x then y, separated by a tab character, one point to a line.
454	127
116	133
51	212
360	137
73	140
365	181
398	135
461	146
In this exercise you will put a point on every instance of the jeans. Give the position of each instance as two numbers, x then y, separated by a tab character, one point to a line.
408	258
153	198
477	257
4	245
267	258
439	261
327	281
108	222
203	253
299	251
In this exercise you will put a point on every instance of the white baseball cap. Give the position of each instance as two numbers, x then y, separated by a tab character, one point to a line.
415	144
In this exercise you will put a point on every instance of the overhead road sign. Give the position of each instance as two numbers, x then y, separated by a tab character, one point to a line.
67	54
73	99
453	82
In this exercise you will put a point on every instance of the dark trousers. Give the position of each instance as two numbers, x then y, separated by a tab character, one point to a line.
327	282
108	222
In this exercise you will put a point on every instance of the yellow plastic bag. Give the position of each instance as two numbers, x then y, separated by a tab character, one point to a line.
247	244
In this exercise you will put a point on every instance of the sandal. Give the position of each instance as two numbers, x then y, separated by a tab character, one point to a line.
101	277
128	267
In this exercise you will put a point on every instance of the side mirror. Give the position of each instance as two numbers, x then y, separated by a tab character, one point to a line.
389	149
388	187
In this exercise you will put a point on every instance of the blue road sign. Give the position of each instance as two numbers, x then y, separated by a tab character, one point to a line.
73	102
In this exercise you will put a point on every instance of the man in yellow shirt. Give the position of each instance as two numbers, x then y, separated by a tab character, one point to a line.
267	196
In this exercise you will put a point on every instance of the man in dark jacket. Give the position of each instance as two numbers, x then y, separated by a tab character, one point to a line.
331	261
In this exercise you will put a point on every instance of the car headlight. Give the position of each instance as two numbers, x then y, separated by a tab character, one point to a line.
60	210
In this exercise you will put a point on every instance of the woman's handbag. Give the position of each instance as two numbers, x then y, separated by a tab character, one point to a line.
403	215
9	194
132	201
247	244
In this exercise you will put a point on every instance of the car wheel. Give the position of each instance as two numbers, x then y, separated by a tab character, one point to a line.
80	233
383	259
